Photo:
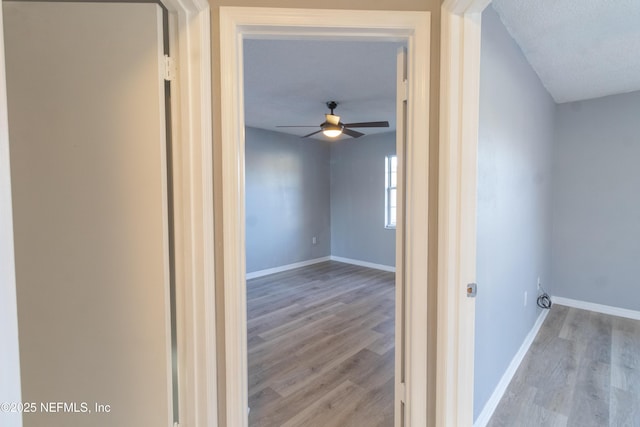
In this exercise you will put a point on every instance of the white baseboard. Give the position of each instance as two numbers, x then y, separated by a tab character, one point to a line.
287	267
599	308
363	263
495	398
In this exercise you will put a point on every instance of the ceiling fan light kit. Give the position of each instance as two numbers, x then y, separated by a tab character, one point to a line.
333	127
331	131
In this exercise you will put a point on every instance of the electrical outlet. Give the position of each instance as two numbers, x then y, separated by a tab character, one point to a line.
314	240
525	298
539	283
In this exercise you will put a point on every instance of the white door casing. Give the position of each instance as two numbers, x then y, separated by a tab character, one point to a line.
400	283
191	106
459	112
237	24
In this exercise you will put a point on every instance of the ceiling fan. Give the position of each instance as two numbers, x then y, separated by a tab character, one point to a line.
333	127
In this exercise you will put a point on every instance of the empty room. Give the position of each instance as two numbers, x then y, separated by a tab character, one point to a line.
320	231
558	215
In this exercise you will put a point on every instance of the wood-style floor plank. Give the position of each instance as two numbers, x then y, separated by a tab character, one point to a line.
321	347
583	369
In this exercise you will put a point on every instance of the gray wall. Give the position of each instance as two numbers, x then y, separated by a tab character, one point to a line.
357	199
596	201
287	199
300	188
514	173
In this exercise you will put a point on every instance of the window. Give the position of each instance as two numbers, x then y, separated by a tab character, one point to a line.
390	182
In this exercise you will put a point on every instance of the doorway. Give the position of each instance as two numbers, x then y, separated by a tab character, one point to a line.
412	28
320	229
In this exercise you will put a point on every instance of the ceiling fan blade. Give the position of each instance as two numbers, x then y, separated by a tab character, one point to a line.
367	125
352	133
333	119
303	126
311	134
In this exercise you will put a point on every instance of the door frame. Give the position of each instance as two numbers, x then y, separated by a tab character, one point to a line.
190	46
192	128
459	116
237	23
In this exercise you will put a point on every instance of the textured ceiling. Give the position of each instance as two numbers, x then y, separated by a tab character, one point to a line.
580	49
288	82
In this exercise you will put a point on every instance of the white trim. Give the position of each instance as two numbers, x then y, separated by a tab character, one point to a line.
287	267
193	202
598	308
400	338
459	113
461	7
496	396
237	23
367	264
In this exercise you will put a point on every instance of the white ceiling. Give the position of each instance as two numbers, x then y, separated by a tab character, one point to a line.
288	82
580	49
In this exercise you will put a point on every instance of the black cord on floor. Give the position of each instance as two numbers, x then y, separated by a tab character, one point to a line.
544	300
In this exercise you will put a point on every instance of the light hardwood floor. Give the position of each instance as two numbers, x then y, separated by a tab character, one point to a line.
582	370
321	347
